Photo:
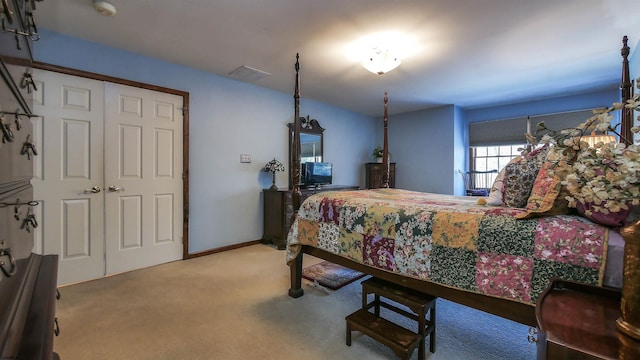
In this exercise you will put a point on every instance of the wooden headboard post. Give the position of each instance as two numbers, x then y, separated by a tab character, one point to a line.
385	146
626	136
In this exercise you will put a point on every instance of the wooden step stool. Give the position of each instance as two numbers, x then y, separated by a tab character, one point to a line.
402	341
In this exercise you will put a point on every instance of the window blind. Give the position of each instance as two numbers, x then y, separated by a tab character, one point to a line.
511	131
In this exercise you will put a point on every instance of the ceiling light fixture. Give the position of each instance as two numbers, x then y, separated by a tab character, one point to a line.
380	61
104	7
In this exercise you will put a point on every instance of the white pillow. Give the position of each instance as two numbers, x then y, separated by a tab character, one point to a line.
495	195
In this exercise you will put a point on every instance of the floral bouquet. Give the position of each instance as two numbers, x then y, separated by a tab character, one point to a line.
605	175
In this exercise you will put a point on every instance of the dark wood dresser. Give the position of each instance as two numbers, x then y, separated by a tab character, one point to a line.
278	211
27	281
374	174
578	321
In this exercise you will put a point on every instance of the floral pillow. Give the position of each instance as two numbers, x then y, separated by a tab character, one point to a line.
547	196
496	195
518	182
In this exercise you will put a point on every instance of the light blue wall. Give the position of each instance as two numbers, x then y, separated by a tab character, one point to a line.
227	118
422	144
460	149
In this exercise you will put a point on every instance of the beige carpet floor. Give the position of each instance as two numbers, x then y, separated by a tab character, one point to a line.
234	305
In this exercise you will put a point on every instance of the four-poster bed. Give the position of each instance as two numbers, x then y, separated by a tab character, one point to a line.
371	231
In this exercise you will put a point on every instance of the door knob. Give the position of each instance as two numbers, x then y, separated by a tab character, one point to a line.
114	188
94	190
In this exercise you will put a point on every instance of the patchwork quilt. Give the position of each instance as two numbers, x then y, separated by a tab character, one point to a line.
452	241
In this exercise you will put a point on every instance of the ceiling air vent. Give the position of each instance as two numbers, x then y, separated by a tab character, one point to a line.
249	74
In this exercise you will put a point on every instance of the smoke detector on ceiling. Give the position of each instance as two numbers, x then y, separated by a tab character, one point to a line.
104	7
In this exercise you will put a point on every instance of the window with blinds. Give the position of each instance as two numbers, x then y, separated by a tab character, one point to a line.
511	131
492	144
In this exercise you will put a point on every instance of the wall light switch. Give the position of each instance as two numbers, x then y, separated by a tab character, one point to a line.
245	158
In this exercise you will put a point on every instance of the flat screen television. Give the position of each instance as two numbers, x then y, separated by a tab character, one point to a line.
317	173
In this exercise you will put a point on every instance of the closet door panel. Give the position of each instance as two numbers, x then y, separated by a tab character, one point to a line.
143	172
71	181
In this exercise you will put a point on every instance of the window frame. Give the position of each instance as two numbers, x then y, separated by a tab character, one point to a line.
501	154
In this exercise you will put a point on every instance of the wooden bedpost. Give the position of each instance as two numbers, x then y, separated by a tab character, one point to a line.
629	321
294	162
385	146
295	268
626	136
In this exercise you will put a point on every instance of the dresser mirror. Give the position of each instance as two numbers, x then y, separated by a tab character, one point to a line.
311	134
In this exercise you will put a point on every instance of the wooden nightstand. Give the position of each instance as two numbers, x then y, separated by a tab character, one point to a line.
373	172
578	321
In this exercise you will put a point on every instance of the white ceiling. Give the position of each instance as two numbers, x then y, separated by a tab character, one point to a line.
472	53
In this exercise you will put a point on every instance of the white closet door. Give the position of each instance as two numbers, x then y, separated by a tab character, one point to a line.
68	174
143	177
92	137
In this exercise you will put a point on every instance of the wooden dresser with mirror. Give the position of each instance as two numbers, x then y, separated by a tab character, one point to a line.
278	205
